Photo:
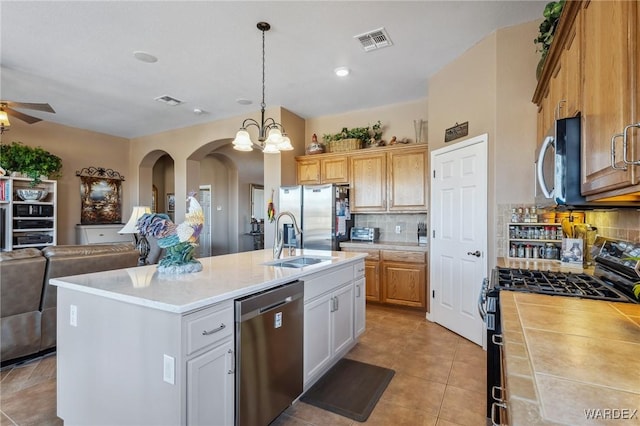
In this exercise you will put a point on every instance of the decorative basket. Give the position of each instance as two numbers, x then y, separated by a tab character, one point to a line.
343	145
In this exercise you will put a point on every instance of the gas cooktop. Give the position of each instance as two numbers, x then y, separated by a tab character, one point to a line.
559	283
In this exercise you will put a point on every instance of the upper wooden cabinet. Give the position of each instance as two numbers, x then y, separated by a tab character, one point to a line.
332	169
389	179
610	93
408	180
369	182
593	69
394	180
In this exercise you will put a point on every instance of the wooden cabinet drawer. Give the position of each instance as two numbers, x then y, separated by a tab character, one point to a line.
404	256
206	328
371	254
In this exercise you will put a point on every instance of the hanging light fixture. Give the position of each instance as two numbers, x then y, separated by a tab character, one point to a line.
271	135
4	121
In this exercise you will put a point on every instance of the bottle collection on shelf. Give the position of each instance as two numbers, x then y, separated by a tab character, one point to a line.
536	239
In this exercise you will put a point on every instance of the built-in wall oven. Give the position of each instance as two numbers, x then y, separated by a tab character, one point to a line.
614	277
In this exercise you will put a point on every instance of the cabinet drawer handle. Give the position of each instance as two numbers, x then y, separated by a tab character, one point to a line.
613	152
496	339
624	146
494	408
358	293
210	332
232	362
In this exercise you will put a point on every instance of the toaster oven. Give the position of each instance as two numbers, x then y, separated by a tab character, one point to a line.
365	234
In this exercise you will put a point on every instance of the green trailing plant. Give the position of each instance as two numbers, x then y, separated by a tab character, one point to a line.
551	13
33	162
365	134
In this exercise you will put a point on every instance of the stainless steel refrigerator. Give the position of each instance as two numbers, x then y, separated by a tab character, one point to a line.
322	212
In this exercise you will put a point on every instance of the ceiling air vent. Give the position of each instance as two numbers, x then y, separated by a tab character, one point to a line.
375	39
168	100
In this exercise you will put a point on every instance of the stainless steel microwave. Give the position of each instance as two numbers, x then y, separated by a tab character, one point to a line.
558	173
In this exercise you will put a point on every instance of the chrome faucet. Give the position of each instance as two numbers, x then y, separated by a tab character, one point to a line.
278	242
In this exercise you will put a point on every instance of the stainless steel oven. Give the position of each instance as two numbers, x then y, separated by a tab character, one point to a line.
614	278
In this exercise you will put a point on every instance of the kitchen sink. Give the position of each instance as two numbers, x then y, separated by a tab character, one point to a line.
297	262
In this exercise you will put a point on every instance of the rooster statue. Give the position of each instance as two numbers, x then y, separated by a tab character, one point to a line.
179	241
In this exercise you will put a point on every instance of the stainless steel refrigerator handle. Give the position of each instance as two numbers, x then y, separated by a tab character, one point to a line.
613	152
548	141
624	146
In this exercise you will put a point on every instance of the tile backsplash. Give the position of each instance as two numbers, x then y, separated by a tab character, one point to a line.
387	223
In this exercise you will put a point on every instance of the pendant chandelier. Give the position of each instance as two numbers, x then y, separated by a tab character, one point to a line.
271	135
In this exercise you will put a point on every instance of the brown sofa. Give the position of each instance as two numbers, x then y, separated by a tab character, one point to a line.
28	315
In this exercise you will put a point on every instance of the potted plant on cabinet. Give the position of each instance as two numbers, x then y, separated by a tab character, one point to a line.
547	29
34	163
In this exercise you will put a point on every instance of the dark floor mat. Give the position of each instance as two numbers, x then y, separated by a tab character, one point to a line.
351	389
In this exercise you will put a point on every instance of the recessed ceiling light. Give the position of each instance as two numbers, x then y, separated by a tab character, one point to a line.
342	71
243	101
200	111
144	57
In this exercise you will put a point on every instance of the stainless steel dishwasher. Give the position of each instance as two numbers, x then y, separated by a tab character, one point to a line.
269	338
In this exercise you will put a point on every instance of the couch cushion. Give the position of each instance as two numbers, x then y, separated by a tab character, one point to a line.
27	253
21	278
87	250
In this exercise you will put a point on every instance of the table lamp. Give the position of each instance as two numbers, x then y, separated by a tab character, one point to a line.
142	245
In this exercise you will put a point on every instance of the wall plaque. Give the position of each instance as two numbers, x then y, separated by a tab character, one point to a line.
457	131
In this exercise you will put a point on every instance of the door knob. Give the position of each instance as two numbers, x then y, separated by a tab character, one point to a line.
474	253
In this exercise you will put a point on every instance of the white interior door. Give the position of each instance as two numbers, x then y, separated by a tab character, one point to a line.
204	243
458	235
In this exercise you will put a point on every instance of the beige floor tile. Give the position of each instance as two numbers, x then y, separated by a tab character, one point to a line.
414	393
316	416
286	420
424	365
35	405
468	376
463	407
5	421
386	414
443	422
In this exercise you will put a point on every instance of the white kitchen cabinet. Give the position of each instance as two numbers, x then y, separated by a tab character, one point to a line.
328	320
328	330
210	366
359	306
210	386
359	299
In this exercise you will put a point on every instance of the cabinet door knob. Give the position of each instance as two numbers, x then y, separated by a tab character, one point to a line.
474	253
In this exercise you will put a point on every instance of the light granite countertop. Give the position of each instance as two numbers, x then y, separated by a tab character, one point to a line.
222	278
385	245
567	359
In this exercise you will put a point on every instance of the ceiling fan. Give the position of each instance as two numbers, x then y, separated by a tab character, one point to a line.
7	108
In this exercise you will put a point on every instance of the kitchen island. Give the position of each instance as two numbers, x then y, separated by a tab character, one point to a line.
570	361
136	347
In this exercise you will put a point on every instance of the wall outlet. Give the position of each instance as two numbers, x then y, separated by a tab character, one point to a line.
73	315
398	229
169	371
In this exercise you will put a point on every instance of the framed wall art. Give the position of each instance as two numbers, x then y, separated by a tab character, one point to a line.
171	202
100	196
